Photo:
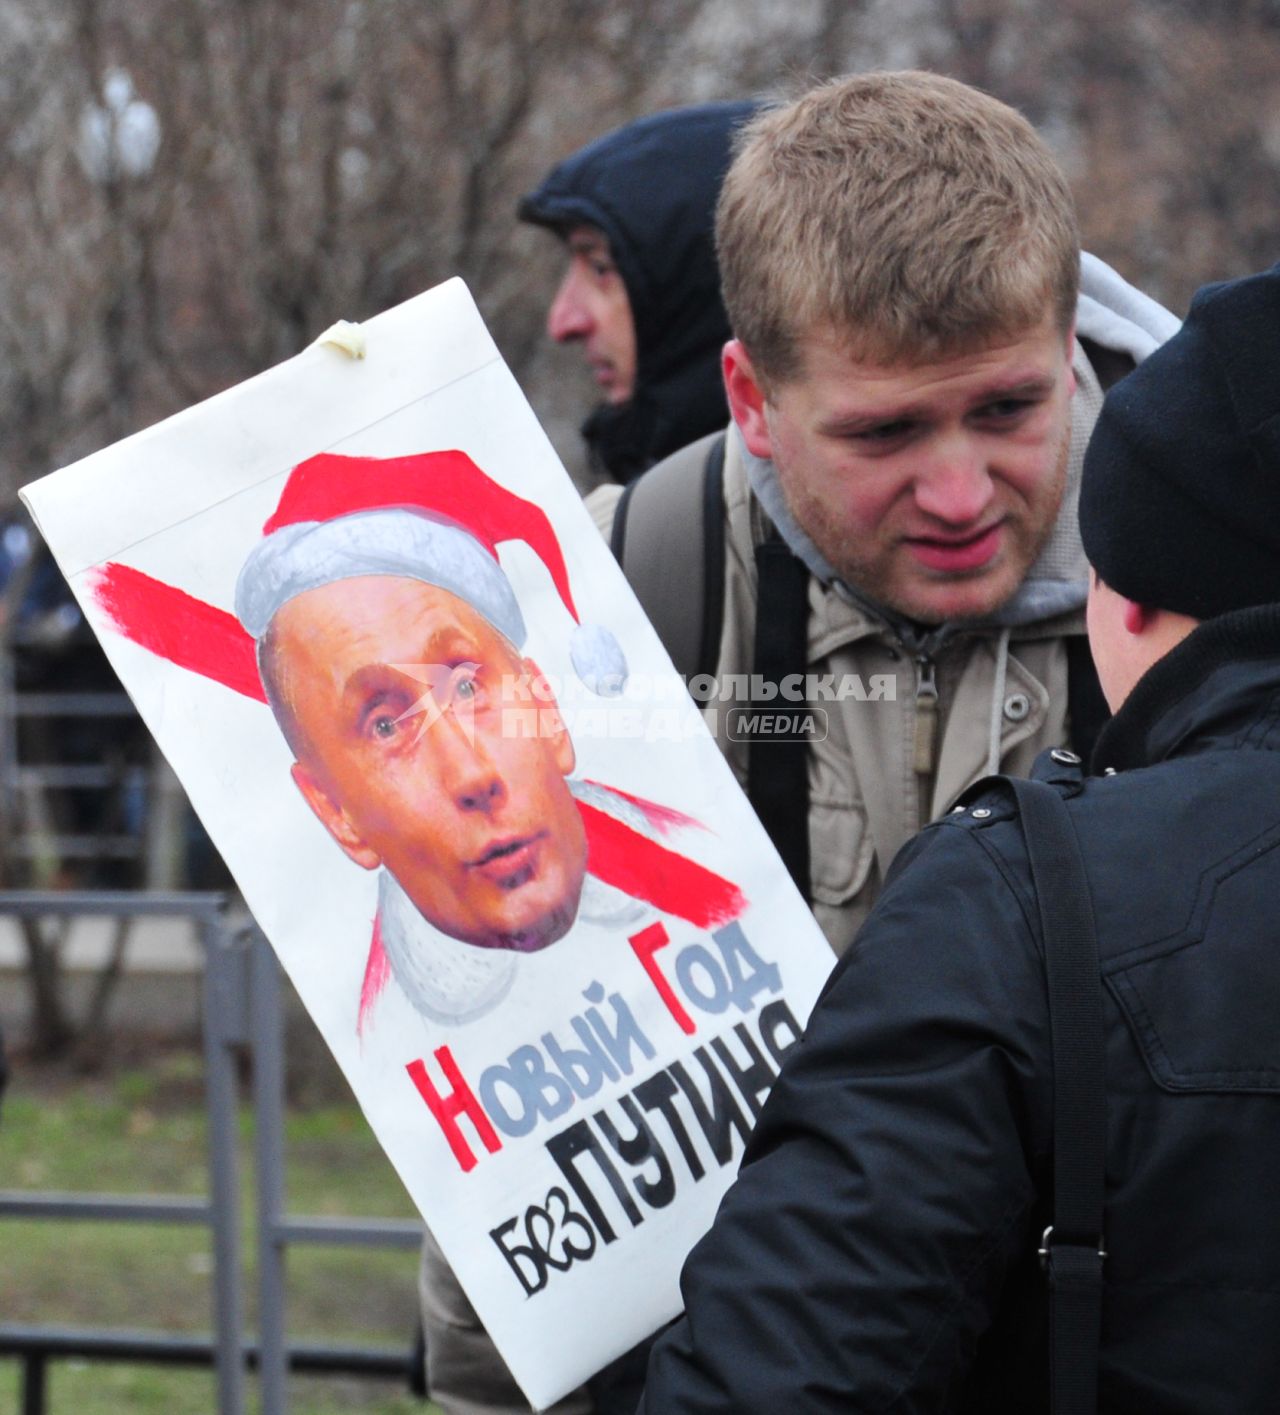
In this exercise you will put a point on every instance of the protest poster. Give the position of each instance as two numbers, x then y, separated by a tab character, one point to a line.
361	607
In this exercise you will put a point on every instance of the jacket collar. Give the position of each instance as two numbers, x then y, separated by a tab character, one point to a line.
1220	685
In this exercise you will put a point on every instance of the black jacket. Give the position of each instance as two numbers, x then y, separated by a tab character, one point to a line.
651	187
878	1250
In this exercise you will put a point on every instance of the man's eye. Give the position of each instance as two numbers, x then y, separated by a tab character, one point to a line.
384	726
883	432
1005	409
466	688
602	269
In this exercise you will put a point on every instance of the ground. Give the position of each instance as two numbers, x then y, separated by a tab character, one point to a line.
136	1127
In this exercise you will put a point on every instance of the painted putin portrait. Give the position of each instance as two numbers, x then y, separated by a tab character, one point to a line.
388	642
401	704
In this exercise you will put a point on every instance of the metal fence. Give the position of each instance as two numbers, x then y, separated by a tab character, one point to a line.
242	1016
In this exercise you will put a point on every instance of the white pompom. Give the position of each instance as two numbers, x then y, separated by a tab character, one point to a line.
598	660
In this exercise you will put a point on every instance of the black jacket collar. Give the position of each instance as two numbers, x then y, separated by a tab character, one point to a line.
1220	686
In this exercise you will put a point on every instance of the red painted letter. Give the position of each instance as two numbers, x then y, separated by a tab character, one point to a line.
646	943
446	1109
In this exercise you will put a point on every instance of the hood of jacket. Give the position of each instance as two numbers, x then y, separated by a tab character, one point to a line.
651	187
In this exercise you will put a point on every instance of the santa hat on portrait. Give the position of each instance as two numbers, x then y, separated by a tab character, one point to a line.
434	517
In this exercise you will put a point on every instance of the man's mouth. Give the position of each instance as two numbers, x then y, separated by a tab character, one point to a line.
511	861
957	553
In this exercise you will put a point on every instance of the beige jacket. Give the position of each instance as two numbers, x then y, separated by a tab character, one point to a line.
867	796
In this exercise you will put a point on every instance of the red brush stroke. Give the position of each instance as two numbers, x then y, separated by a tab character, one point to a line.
376	972
646	870
178	627
662	818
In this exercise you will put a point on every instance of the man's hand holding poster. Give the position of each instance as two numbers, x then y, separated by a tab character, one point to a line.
464	793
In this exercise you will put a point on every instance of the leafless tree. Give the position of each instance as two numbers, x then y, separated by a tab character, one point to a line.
327	158
318	159
310	160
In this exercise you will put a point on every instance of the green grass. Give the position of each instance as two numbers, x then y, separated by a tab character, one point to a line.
80	1388
143	1131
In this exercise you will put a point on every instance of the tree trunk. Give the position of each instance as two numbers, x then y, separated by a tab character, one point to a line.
52	1030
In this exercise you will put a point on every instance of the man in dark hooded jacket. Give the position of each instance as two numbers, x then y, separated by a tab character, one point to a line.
636	209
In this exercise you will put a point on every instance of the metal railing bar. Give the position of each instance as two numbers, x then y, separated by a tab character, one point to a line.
346	1232
106	1208
195	905
72	705
162	1208
59	776
197	1349
78	847
267	1043
225	982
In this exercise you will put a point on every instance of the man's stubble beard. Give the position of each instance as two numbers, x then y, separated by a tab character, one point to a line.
872	582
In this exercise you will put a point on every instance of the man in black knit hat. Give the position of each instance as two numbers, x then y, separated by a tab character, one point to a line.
879	1250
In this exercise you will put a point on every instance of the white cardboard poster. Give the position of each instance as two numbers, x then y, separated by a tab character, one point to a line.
364	612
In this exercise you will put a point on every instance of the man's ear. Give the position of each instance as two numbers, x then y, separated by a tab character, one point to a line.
334	819
746	398
1135	617
551	726
1071	358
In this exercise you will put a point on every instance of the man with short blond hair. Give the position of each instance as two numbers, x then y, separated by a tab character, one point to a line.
920	352
910	410
910	212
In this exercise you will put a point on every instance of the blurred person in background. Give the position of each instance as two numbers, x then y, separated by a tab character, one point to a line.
641	294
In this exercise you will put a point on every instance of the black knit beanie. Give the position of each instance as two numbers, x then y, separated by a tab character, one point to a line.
1180	504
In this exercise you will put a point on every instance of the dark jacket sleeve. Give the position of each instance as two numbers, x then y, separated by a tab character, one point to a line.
890	1184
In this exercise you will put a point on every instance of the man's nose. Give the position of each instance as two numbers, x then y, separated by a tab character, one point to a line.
569	316
953	482
468	773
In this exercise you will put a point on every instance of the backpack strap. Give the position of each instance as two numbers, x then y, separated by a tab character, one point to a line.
668	536
1072	1249
778	771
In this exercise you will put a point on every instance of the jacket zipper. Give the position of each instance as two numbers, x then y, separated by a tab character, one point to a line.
926	735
